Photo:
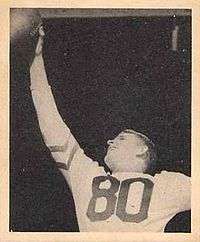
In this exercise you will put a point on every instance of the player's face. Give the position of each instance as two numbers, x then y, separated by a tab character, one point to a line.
122	152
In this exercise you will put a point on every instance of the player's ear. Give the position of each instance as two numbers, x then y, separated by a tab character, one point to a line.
142	151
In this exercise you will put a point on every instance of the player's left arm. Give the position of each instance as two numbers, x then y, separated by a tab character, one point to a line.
185	187
181	191
178	188
57	136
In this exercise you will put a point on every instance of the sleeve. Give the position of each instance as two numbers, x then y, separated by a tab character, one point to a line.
69	157
178	189
82	169
56	134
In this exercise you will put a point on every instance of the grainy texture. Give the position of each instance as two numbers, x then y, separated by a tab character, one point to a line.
107	74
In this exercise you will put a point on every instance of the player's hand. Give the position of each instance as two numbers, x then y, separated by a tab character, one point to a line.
40	42
38	63
37	70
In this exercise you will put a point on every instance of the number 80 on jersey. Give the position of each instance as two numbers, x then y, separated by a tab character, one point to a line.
117	205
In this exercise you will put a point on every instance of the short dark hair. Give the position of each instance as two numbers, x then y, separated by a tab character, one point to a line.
150	154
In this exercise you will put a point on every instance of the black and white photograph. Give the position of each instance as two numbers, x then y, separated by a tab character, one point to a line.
100	120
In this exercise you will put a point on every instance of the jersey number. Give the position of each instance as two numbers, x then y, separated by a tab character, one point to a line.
111	198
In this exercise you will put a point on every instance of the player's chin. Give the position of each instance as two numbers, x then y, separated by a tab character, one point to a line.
109	161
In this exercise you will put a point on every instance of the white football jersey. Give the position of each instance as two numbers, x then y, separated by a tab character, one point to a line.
120	202
131	202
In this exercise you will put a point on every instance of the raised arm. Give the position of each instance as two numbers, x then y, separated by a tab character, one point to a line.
56	134
64	148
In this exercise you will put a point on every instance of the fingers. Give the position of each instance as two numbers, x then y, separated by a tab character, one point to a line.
39	46
41	31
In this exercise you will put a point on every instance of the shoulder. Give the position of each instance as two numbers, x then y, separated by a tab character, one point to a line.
175	178
82	161
171	174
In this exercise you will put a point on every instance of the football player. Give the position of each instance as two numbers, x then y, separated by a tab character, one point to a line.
126	199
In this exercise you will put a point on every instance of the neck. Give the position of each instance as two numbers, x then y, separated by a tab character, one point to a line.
140	167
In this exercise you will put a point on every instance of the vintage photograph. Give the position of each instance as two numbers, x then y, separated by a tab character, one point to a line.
100	120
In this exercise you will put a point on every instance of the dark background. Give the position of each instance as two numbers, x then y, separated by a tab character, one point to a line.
107	74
